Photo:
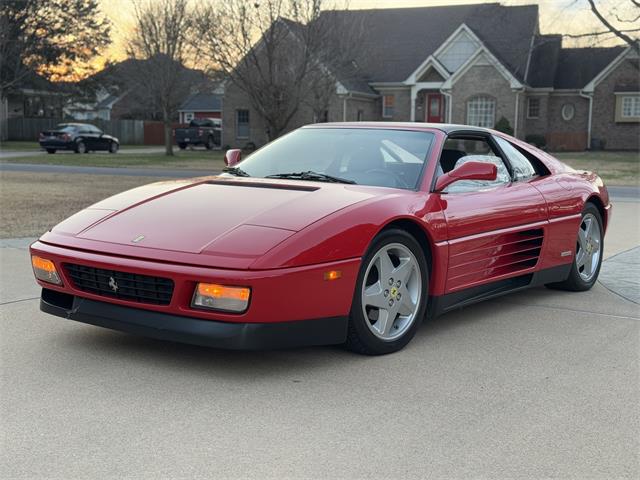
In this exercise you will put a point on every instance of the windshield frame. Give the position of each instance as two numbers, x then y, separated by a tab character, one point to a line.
419	178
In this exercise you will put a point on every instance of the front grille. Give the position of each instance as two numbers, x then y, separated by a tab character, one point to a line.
121	285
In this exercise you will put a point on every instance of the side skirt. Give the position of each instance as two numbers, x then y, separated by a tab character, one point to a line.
451	301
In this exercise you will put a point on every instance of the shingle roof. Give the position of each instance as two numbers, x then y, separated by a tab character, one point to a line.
412	34
202	102
578	66
544	61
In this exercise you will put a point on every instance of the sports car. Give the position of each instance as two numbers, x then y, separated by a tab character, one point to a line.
343	233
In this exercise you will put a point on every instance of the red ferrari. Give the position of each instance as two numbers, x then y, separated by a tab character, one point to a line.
347	233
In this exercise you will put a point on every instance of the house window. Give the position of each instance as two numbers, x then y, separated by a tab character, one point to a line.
388	102
481	112
568	111
242	123
533	107
631	107
360	116
188	117
458	52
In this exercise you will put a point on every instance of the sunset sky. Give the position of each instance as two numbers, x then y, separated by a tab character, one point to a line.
556	16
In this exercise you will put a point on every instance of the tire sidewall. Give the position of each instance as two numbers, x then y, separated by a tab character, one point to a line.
114	147
84	147
357	320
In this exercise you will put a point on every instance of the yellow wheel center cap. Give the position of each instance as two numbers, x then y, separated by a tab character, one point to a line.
394	292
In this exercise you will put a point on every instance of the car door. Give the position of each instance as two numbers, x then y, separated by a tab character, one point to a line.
88	137
495	229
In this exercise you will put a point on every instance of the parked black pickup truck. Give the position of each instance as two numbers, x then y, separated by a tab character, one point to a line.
201	131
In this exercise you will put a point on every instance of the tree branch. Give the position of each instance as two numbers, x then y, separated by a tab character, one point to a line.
620	34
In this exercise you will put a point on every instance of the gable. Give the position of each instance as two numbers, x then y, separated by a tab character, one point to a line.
431	75
458	51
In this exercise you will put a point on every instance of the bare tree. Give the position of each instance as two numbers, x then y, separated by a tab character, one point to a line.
622	12
160	40
280	53
623	34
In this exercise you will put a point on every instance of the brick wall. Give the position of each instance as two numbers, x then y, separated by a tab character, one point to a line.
483	80
567	134
617	136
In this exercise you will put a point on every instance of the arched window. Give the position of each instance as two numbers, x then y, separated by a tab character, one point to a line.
481	112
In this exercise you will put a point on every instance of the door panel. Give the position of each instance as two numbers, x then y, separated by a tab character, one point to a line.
493	233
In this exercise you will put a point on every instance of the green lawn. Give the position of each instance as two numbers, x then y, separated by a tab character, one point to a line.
16	146
615	168
189	159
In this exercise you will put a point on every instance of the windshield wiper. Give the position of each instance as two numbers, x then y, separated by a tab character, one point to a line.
311	175
237	171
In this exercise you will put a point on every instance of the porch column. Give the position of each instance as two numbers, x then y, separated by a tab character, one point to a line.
414	95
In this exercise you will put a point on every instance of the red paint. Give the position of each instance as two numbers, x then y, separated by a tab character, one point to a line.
280	237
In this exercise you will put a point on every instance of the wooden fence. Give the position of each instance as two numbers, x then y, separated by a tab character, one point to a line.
129	132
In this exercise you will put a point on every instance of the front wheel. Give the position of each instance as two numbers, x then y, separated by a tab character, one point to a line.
182	146
390	295
113	147
589	249
209	145
51	150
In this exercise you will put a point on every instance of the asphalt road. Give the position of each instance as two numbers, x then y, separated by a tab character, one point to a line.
540	384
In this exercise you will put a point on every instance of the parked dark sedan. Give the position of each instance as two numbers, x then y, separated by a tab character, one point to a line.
79	137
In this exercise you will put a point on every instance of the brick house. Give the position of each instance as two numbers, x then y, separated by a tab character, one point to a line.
200	105
473	64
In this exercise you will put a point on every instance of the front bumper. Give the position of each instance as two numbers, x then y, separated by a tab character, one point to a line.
162	326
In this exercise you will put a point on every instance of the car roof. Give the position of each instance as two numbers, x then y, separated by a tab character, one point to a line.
73	124
444	127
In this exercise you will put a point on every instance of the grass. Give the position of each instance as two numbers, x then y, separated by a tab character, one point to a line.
19	146
615	168
31	204
189	159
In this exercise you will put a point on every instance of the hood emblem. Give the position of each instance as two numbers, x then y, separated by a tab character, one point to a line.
139	238
113	285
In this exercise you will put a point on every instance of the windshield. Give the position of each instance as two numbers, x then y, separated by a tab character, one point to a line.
376	157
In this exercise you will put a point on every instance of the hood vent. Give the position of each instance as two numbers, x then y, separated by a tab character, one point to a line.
507	253
275	186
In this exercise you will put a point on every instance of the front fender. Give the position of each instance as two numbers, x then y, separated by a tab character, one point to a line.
347	233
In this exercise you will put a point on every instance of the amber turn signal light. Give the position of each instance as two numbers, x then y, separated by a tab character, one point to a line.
332	275
45	270
221	297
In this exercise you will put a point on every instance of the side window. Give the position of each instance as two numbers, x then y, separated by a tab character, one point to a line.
522	168
458	151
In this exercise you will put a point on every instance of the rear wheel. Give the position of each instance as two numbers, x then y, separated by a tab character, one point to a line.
589	248
182	146
51	150
80	147
209	145
390	296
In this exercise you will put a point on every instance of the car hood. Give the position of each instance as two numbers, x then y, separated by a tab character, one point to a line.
215	216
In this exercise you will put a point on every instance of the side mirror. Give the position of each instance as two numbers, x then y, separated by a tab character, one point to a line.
232	157
467	171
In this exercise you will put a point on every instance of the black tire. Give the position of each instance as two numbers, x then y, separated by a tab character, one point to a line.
209	144
360	339
51	150
80	147
113	147
575	282
182	146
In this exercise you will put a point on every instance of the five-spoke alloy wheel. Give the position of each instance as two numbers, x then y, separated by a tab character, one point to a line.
391	293
589	248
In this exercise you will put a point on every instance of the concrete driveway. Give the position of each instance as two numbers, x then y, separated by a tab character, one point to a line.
540	384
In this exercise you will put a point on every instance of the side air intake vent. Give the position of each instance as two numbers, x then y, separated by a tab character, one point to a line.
501	255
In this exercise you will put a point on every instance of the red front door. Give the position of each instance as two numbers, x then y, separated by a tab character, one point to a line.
435	108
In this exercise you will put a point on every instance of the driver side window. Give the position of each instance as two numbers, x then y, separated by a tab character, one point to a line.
458	151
